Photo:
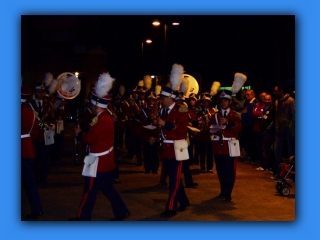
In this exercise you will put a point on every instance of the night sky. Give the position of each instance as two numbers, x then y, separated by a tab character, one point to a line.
211	48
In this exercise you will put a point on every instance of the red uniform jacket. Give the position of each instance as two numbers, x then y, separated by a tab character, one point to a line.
175	129
192	115
136	114
193	121
256	113
100	139
29	124
232	130
45	109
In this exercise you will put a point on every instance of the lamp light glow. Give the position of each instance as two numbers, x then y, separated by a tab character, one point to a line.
156	23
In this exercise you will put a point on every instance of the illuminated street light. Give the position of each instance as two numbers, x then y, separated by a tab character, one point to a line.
148	41
77	74
156	23
152	76
175	24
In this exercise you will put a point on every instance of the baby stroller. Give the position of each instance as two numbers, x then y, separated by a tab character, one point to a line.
287	173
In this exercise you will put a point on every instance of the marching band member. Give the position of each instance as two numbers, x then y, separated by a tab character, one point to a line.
116	106
164	173
127	107
225	165
193	112
148	118
173	124
121	117
225	160
100	139
60	117
180	100
29	131
136	123
44	114
203	137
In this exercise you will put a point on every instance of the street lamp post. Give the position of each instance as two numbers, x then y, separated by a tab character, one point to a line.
156	24
148	41
142	58
164	51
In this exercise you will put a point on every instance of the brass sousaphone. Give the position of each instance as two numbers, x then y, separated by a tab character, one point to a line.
67	86
193	84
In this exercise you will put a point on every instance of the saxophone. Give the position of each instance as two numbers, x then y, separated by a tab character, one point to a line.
42	122
53	105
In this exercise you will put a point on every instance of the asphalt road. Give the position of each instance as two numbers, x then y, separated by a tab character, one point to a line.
254	195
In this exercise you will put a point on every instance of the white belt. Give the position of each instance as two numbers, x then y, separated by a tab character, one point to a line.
170	141
227	139
25	135
101	154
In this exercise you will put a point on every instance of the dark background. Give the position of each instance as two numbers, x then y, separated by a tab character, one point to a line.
211	48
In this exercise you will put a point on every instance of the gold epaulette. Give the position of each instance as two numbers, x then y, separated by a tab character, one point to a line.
94	121
36	113
215	110
184	104
183	107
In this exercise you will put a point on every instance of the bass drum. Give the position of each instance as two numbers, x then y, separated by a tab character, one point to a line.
193	84
69	85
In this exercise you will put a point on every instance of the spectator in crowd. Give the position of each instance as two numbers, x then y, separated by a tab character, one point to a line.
285	108
266	126
257	113
247	121
262	96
